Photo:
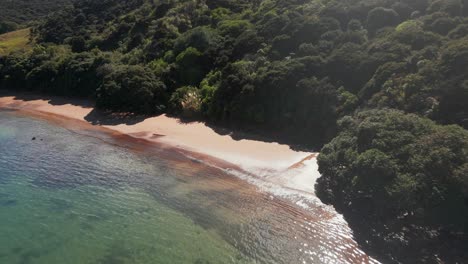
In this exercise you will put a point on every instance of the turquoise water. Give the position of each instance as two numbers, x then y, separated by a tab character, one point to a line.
77	196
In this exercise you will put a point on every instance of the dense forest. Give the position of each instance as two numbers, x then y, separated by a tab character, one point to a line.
381	85
15	13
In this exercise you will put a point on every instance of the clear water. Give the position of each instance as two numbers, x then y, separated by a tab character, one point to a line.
77	196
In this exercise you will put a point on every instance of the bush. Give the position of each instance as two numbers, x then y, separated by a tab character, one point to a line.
186	101
6	26
381	17
190	66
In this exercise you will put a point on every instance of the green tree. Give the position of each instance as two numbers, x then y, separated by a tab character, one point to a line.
131	88
6	26
380	17
190	66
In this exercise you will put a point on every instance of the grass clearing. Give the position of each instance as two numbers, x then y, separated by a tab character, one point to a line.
15	41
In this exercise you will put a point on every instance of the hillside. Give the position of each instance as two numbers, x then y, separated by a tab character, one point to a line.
370	81
14	13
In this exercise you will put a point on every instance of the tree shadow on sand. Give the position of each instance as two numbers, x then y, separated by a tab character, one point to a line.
53	100
95	117
101	117
242	132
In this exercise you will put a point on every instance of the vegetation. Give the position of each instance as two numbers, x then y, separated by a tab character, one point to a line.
6	26
23	11
407	175
292	67
15	41
21	14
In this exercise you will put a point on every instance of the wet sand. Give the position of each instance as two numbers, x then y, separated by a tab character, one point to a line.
271	162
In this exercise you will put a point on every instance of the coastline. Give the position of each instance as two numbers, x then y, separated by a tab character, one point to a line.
272	163
303	214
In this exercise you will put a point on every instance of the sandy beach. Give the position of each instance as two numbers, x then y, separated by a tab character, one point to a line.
272	162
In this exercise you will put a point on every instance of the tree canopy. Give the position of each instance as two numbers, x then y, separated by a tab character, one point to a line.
20	12
407	174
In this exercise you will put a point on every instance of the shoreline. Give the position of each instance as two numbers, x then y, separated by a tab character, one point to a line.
272	163
217	175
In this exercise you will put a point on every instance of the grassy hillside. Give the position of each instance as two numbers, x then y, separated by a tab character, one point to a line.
371	81
15	41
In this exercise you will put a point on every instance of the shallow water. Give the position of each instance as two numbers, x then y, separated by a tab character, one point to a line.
77	196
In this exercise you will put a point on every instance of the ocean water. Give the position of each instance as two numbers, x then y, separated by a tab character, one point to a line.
82	196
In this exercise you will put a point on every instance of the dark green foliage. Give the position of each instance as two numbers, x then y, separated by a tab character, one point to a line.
406	174
52	70
22	11
451	7
130	88
189	66
6	26
454	89
78	44
380	17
